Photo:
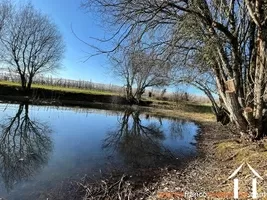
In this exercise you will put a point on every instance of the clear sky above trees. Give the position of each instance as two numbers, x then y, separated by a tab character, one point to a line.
67	14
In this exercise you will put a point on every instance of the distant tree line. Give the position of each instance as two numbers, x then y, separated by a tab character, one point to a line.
151	93
67	83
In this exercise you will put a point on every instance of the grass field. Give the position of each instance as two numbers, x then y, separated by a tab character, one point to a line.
64	89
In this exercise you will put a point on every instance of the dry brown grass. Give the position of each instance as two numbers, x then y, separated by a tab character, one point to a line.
64	89
223	152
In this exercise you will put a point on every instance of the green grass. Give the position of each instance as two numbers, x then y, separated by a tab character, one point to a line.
9	83
181	113
184	109
186	106
63	89
201	108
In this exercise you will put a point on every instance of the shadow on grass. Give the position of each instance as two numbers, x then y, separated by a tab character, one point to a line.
197	108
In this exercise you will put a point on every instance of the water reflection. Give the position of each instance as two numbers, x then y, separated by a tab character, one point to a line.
177	128
140	144
25	145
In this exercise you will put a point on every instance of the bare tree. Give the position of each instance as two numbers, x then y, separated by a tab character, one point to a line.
139	70
5	9
30	44
229	35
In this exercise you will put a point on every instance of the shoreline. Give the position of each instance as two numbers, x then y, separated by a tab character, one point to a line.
207	177
194	180
220	152
204	173
62	97
155	110
142	183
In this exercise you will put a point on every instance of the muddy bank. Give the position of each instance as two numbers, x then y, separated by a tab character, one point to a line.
200	175
135	184
206	177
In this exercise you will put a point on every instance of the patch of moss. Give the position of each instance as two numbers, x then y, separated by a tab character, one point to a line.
226	146
240	152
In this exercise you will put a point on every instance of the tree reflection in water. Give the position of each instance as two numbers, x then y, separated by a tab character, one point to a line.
25	145
177	129
138	144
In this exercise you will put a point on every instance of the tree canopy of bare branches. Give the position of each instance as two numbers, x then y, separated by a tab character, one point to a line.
5	9
30	43
139	69
226	37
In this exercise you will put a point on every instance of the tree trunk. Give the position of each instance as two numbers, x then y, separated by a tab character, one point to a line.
29	84
129	94
23	82
221	114
232	105
138	94
259	83
27	110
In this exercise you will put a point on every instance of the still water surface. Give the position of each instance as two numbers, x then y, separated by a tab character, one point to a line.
41	146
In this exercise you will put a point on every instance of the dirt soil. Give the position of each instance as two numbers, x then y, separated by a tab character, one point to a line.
207	176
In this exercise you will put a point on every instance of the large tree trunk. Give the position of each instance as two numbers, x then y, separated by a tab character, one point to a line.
232	105
259	85
236	112
256	11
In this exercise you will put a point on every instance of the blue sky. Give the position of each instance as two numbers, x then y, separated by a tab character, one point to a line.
67	14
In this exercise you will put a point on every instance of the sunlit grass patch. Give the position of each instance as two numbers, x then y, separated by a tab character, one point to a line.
63	89
201	108
9	83
242	151
181	113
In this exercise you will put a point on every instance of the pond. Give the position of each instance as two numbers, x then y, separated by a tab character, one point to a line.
41	146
